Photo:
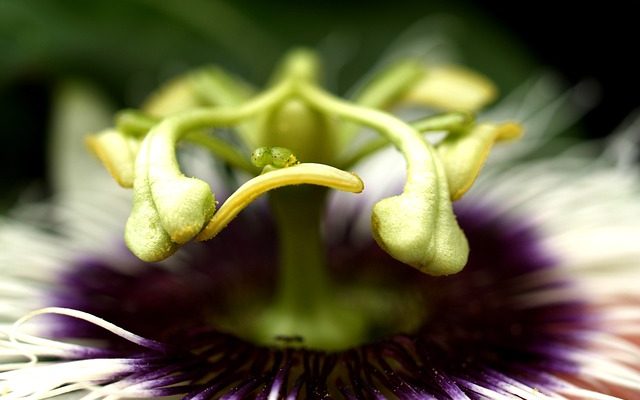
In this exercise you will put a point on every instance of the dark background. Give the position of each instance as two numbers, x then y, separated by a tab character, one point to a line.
127	48
596	41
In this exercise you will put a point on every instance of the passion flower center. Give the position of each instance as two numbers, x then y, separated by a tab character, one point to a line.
310	308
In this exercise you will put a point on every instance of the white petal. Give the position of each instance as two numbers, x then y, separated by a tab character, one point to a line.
78	110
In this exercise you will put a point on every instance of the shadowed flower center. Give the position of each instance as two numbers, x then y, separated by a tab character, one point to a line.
473	328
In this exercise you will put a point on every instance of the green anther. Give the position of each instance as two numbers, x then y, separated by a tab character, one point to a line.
169	208
144	234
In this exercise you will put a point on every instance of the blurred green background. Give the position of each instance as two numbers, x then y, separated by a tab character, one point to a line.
126	48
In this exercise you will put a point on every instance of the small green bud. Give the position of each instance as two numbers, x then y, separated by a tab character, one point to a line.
277	157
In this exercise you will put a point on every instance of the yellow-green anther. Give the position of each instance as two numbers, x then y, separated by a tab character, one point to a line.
306	173
117	152
168	208
135	122
184	204
452	88
464	154
421	230
144	234
417	227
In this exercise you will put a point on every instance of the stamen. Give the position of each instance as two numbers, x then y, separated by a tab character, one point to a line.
417	227
306	173
169	208
473	147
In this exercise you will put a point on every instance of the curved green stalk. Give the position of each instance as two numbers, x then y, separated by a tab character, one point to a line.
170	209
441	122
417	227
138	124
